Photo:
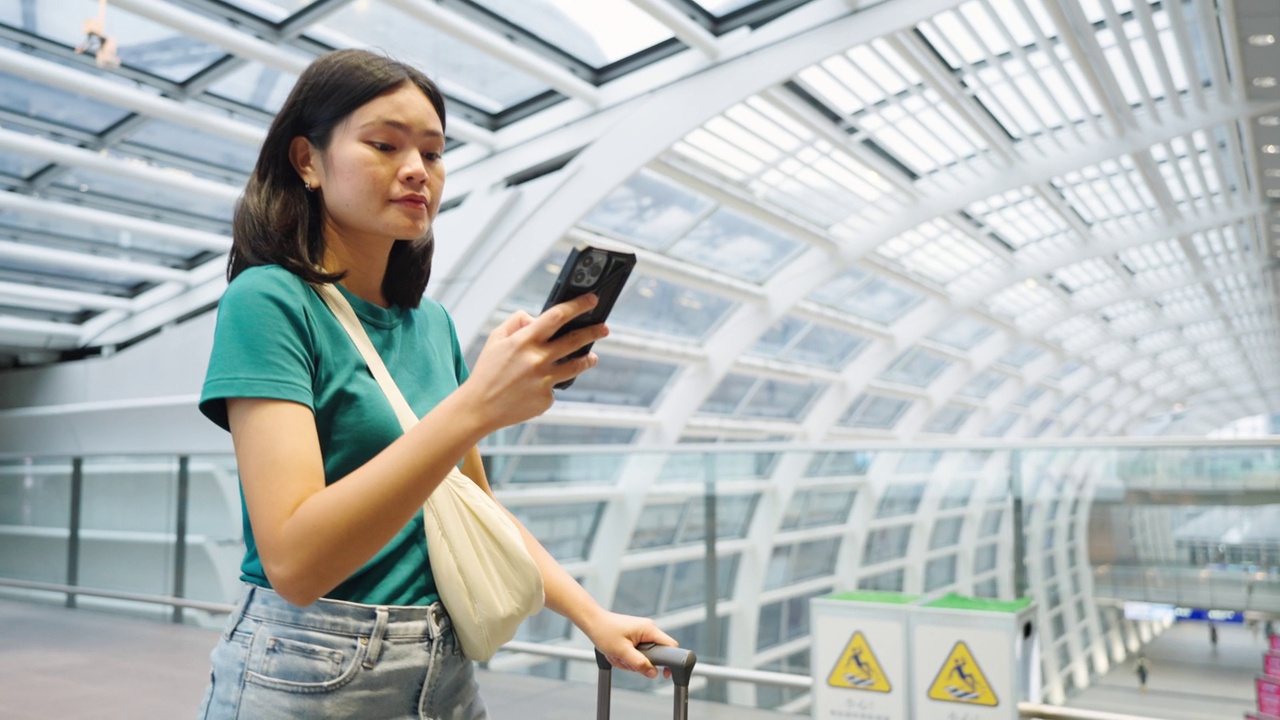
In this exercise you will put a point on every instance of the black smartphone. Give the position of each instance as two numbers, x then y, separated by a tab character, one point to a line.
589	270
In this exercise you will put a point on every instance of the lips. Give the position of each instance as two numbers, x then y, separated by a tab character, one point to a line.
412	201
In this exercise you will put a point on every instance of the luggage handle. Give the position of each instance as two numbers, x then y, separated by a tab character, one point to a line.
680	661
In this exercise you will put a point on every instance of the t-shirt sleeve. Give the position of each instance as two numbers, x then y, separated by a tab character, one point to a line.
262	344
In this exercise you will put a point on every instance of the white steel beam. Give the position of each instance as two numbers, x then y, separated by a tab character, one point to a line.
689	32
217	34
126	96
88	263
185	237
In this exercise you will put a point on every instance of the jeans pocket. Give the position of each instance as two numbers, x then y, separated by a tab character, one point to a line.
296	660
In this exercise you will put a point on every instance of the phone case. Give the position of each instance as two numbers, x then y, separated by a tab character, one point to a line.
594	270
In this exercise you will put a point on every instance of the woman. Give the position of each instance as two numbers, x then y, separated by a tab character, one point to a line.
340	616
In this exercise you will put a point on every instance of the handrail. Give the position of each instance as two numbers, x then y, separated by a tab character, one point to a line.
1086	443
1028	711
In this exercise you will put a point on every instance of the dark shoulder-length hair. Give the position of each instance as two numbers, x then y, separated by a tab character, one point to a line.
278	221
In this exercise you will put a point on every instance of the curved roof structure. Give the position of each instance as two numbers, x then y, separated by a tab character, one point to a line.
913	217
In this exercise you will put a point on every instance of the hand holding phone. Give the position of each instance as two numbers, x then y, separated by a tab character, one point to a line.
589	270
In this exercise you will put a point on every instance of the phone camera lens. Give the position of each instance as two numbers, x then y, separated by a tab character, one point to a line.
579	276
587	260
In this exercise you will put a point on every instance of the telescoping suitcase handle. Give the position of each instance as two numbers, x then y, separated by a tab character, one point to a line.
679	660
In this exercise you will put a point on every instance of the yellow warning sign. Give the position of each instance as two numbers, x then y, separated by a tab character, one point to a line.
961	680
858	668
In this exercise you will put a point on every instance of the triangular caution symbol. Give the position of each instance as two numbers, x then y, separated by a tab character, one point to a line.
961	680
858	668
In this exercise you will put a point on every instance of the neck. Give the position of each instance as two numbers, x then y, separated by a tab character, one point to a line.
365	263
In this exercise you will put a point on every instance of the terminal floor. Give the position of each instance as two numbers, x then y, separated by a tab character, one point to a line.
1188	680
59	664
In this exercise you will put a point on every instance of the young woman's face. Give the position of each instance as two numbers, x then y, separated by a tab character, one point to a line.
382	174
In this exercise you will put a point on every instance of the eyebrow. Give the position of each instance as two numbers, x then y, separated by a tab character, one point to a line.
402	127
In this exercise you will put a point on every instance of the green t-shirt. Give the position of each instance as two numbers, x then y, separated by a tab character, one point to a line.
276	338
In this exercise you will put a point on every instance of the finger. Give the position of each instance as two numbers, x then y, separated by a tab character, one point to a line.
563	347
556	316
514	322
572	368
636	661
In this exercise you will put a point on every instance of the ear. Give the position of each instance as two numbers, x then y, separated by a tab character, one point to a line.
306	160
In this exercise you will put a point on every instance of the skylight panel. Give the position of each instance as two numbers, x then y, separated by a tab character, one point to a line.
26	98
1108	356
983	384
1224	247
824	86
1024	303
1075	333
1156	263
1001	425
848	74
597	32
809	343
1086	274
1201	331
1134	369
667	309
1191	300
915	367
256	85
837	288
1156	341
948	420
917	129
1107	192
492	85
1174	357
727	152
648	210
620	380
741	395
1029	396
765	120
1020	217
141	43
1064	371
962	332
739	137
96	186
730	242
1019	356
1236	288
1127	316
880	301
937	251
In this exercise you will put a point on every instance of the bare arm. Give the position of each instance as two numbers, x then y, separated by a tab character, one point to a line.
616	635
311	537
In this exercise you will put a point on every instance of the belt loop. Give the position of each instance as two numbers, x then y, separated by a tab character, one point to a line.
238	613
375	640
435	619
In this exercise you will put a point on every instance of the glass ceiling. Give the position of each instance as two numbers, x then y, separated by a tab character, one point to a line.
920	216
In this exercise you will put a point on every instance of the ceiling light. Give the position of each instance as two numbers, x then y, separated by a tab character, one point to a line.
1269	120
1262	39
1272	172
1266	81
1271	149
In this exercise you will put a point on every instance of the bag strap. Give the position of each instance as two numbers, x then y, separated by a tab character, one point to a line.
347	317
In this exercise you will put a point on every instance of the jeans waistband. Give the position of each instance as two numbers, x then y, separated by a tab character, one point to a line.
348	618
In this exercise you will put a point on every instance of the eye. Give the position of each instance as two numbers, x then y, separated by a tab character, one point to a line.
431	156
384	147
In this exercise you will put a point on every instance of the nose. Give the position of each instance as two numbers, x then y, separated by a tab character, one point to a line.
413	170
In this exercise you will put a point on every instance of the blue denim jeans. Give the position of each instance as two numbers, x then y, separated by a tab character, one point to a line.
335	659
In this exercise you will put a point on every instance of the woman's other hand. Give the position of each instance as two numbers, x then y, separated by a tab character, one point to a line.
513	378
618	635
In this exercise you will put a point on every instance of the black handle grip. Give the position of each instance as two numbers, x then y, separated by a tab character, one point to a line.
680	661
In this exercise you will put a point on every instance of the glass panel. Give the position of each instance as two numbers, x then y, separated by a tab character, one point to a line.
1019	356
779	400
874	411
835	289
42	102
939	572
769	625
657	306
728	395
825	347
1001	425
566	531
460	69
957	494
733	516
818	507
983	384
988	588
639	590
621	380
145	193
915	367
852	464
780	337
890	581
648	210
35	501
962	332
657	526
256	85
888	543
688	582
732	243
946	532
990	523
597	32
948	420
984	558
814	559
187	142
881	301
724	7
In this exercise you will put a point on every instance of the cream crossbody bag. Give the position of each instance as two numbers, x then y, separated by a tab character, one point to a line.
485	575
